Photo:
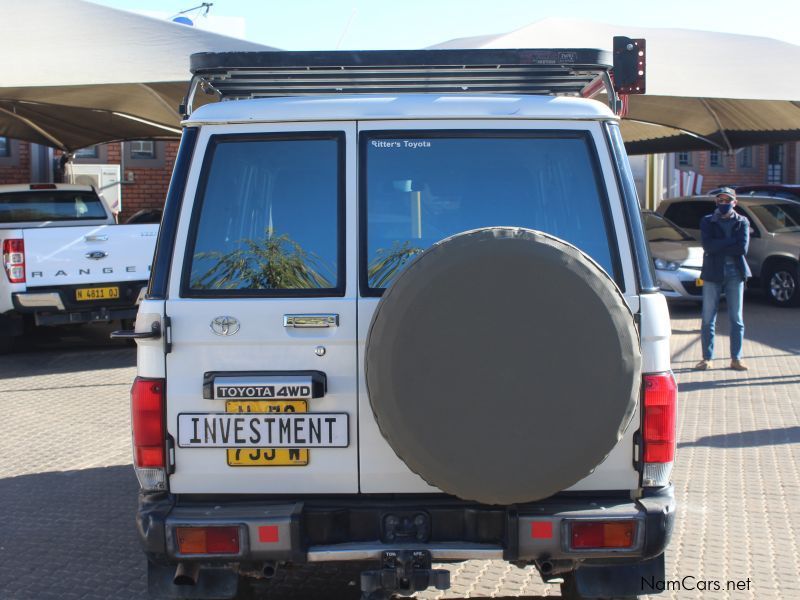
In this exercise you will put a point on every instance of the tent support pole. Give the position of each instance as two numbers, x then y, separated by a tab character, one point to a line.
713	114
36	128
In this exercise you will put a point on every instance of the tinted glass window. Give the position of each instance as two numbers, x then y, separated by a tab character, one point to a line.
658	229
778	218
421	189
689	214
269	217
50	205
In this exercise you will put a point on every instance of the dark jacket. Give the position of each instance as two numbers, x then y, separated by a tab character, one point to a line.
717	246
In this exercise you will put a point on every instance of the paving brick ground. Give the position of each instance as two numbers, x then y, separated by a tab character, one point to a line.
67	491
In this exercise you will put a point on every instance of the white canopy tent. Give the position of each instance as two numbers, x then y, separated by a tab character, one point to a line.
75	73
707	89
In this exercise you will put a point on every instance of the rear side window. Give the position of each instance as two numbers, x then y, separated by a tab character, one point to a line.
50	205
423	187
689	214
267	218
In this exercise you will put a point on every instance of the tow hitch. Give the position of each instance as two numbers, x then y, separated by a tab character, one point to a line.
403	572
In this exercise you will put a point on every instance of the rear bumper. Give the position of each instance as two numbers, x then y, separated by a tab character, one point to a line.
354	529
57	306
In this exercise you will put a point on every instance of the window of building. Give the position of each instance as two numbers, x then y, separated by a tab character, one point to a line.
684	159
88	152
775	163
143	149
5	147
714	158
746	158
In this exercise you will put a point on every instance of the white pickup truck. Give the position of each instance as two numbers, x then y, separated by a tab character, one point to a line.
65	260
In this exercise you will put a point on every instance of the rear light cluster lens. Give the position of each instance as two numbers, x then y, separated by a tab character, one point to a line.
659	428
14	260
597	535
207	540
149	435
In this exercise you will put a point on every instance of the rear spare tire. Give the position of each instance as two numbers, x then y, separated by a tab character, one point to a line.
502	365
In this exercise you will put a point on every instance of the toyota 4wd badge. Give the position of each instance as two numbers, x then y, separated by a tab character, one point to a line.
225	325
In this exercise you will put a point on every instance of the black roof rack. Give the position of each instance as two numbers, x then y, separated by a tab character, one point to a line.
555	71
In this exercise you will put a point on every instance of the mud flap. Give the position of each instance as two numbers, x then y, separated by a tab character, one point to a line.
212	584
619	580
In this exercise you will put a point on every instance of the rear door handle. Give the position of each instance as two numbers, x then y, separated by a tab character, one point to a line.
303	321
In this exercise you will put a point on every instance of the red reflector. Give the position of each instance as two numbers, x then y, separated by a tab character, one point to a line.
14	259
602	534
223	540
268	534
43	186
542	530
147	421
660	408
207	540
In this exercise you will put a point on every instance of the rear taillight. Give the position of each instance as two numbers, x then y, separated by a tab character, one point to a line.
14	260
596	535
148	430
207	540
659	424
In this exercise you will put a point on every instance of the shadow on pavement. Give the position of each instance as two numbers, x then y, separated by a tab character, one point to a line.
742	381
50	351
748	439
72	534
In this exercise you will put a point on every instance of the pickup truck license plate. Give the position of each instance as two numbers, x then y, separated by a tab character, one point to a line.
267	457
263	430
97	293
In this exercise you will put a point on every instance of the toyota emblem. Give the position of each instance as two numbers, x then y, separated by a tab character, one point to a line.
225	325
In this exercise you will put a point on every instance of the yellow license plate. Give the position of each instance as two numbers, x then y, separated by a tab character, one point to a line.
698	282
267	457
98	293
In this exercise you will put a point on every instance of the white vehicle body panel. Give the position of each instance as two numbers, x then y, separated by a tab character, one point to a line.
368	464
60	255
263	344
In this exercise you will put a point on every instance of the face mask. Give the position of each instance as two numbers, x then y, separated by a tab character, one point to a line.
724	209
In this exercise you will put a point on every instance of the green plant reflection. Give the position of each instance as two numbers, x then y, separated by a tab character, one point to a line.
274	263
387	264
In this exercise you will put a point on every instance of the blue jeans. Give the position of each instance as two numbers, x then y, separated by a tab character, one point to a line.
733	286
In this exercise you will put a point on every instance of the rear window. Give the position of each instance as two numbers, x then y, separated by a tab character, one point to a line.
268	217
50	205
422	187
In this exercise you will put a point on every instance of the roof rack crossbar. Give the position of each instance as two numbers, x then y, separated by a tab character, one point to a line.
554	71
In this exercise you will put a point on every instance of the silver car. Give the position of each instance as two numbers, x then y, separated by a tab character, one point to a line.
677	257
774	255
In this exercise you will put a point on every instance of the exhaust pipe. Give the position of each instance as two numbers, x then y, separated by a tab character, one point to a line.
269	570
186	574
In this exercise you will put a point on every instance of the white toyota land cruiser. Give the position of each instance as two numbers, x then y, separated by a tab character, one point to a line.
402	313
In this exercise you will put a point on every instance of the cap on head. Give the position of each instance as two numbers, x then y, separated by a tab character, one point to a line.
725	194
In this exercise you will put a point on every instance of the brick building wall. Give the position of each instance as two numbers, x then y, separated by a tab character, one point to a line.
16	168
722	168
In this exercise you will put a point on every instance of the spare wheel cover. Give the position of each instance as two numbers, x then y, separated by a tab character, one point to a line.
503	365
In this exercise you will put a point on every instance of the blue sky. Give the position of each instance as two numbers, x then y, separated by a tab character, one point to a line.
400	24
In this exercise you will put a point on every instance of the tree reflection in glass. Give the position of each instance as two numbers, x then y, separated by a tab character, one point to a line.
387	264
274	263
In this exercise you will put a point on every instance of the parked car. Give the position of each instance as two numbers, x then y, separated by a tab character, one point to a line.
677	257
402	327
65	259
774	253
785	191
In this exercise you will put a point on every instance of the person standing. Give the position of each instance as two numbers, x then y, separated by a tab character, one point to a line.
726	237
